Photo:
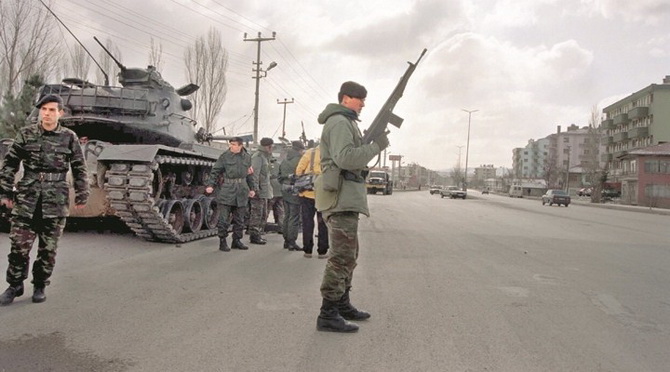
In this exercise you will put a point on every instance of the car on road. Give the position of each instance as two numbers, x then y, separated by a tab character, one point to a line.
585	191
559	197
453	192
435	189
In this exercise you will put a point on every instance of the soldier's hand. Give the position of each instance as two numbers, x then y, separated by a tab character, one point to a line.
79	206
209	189
250	170
7	203
252	193
382	141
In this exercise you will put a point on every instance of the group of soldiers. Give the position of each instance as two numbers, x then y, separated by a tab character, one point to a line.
47	150
259	184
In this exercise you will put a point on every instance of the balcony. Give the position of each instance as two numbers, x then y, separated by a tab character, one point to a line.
607	124
639	132
618	154
619	137
607	140
606	158
620	119
638	112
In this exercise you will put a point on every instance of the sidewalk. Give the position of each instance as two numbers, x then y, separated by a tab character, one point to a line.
623	207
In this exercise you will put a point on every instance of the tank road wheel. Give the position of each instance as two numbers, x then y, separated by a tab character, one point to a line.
193	215
187	175
173	212
211	208
157	183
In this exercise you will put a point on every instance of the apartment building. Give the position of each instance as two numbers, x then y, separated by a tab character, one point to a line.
637	121
529	161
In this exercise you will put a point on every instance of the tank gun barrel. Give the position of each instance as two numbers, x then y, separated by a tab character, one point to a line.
121	66
245	138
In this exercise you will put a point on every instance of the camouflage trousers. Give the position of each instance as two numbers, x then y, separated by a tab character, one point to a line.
343	236
225	219
276	205
22	235
257	212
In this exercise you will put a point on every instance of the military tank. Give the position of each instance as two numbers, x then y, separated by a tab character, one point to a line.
147	162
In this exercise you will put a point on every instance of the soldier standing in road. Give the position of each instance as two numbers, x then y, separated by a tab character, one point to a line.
341	196
260	162
276	204
310	163
232	173
291	199
40	204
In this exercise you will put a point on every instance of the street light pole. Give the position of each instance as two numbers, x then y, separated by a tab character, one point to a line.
258	76
467	149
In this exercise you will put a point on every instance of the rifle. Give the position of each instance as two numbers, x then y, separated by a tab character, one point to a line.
303	136
386	115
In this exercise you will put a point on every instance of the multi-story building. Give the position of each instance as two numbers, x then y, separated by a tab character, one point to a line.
529	161
637	121
483	173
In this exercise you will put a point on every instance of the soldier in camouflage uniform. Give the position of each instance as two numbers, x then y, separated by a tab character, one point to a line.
276	204
260	162
232	174
40	204
340	197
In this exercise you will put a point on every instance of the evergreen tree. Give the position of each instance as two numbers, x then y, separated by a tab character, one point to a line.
15	110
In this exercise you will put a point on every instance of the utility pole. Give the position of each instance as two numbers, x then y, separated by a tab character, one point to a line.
258	76
283	122
467	149
567	172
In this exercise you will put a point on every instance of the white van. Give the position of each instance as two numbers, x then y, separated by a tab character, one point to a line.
515	191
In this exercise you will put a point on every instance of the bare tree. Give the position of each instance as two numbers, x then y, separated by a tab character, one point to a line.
591	163
26	43
108	64
206	64
79	63
456	175
156	55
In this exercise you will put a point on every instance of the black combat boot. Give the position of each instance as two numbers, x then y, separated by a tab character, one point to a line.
38	293
256	239
237	244
11	293
293	247
330	321
348	311
223	245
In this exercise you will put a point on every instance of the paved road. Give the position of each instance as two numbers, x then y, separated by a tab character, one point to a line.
485	284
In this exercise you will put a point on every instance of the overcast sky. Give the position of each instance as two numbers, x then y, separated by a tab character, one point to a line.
526	65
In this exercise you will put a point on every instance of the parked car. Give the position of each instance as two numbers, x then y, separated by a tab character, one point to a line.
585	191
556	197
610	193
453	192
435	189
485	190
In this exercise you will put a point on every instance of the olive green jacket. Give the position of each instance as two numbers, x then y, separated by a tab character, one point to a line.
343	151
260	162
230	175
286	169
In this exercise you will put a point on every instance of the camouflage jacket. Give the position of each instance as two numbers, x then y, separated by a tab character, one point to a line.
230	175
260	161
286	169
47	156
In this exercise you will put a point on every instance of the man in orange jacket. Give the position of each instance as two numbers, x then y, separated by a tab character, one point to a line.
310	163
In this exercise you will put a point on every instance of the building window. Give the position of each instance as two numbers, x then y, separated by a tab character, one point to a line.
657	191
664	166
651	166
566	140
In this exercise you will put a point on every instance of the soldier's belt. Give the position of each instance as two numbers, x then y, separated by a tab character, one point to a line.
233	180
44	176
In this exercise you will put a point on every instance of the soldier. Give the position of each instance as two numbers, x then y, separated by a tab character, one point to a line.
291	199
276	204
232	173
341	197
40	204
260	162
310	163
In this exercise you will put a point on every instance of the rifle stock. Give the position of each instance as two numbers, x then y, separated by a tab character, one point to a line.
386	116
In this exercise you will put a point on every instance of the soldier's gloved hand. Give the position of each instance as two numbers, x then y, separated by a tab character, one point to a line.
382	141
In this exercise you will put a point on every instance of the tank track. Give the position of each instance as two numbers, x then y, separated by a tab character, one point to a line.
129	189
